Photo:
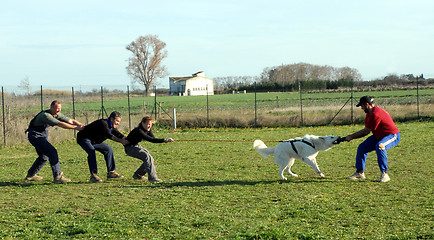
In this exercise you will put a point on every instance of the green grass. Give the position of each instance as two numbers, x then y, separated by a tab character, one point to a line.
224	190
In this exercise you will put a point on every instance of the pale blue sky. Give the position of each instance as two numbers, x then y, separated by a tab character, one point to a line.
82	42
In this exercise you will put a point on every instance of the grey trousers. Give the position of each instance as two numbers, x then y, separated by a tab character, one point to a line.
143	154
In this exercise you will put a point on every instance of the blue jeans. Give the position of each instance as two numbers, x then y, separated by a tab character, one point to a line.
103	148
46	152
380	146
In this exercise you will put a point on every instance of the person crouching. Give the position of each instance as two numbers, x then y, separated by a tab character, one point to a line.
133	149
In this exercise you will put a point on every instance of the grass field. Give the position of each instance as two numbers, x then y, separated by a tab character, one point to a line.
224	190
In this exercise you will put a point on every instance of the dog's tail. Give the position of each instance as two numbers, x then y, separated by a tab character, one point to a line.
262	149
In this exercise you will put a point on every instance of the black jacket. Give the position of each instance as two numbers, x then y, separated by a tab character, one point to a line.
98	131
139	133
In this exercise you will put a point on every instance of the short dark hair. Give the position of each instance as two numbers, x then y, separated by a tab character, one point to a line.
115	114
53	103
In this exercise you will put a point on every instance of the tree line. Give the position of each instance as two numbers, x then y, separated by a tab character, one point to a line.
293	77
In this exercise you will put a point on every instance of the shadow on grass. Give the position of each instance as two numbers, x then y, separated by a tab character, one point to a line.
199	183
228	183
24	183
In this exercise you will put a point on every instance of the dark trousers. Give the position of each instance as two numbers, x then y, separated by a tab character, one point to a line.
46	152
103	148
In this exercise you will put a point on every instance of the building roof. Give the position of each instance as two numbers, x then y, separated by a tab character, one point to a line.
194	75
176	79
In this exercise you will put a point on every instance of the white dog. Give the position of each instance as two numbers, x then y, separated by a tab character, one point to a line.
304	149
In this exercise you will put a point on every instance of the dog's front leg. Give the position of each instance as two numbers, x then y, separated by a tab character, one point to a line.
314	165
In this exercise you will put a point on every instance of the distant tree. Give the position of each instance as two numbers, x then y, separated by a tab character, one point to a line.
25	85
292	73
145	64
233	82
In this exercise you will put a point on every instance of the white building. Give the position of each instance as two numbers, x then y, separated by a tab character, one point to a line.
195	85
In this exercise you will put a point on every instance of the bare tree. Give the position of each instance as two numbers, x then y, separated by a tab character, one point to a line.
25	85
145	65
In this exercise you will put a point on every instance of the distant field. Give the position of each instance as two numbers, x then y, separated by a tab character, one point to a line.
225	101
224	190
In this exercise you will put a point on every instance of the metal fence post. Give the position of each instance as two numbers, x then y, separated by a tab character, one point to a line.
417	93
352	106
102	104
174	118
73	108
207	107
3	110
129	107
155	101
301	103
42	101
256	108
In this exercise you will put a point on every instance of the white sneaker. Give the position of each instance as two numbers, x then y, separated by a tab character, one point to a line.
357	175
384	177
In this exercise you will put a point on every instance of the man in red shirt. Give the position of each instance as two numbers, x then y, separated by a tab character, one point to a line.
385	135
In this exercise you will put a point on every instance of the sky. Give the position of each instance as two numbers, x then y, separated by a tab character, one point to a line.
83	42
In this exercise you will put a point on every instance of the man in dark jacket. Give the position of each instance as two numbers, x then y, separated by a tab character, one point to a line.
133	149
92	138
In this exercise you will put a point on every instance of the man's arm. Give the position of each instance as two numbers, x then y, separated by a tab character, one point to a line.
75	122
66	125
358	134
119	140
118	137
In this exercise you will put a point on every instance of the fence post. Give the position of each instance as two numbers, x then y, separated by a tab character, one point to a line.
73	108
417	93
207	107
42	101
155	101
4	124
102	104
129	108
301	103
352	104
174	118
256	108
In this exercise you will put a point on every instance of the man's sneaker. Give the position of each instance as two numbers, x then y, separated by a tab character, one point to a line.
384	177
155	180
357	175
33	178
94	178
113	174
61	179
138	177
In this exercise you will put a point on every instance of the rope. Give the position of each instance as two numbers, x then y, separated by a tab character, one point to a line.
217	140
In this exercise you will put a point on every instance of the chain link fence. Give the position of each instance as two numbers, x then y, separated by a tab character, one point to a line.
238	109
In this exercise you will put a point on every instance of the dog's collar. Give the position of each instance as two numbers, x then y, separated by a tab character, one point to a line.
299	140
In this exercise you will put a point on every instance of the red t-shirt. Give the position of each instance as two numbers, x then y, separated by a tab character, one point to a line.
380	123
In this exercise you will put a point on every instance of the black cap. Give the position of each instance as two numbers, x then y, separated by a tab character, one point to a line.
365	99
